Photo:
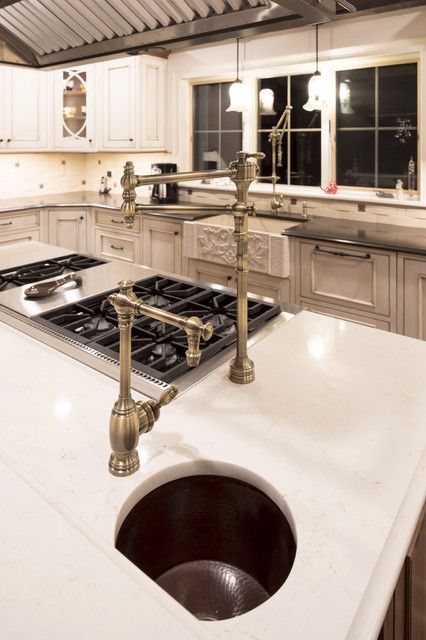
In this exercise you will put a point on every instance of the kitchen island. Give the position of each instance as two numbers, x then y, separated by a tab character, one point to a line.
332	430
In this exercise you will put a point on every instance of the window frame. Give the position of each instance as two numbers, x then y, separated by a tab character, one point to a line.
290	129
206	81
375	63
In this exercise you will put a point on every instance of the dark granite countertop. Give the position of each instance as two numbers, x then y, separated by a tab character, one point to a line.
93	199
366	234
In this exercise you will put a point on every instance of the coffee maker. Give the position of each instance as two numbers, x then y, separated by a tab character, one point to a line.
164	193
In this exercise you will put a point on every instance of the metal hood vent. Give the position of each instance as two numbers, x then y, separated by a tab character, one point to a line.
47	33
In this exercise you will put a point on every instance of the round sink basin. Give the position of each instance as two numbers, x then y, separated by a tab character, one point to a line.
218	545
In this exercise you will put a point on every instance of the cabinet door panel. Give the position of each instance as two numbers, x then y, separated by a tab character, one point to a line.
209	272
414	298
119	98
25	109
352	277
153	108
162	245
68	229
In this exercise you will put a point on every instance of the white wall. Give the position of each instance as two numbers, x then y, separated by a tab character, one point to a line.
346	42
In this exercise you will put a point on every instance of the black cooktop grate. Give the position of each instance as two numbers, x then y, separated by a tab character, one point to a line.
44	269
158	349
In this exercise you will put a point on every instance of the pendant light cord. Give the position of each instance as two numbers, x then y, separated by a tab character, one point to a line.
316	43
238	59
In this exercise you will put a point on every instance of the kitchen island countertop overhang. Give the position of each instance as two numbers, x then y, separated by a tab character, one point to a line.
336	438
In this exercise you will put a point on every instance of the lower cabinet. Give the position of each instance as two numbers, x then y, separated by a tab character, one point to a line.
341	314
67	228
412	296
162	245
258	283
121	246
19	236
406	615
20	226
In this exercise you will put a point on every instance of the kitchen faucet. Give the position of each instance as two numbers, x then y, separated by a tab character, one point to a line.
130	418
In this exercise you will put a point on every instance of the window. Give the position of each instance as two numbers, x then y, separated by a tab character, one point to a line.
376	126
217	135
302	143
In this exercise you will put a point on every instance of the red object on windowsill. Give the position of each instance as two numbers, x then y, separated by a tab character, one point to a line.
331	188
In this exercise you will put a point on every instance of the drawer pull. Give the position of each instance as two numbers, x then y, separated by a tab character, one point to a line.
117	248
342	254
5	224
116	221
229	278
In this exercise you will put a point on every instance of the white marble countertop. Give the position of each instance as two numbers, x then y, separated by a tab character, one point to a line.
332	429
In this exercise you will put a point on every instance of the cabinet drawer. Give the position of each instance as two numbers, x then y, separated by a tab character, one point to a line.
19	221
347	315
23	236
117	246
114	220
358	278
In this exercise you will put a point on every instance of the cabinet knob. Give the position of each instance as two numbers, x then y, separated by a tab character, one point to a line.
229	278
176	233
130	139
1	139
9	140
90	140
81	217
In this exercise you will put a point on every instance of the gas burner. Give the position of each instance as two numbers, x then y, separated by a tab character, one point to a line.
156	300
45	269
166	351
158	349
222	324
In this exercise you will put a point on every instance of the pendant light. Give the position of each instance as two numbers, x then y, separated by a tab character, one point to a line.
316	89
237	91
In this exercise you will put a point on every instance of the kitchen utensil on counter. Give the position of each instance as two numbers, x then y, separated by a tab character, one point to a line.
47	288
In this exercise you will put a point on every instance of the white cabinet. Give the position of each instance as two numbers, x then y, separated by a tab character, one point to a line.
152	102
74	109
119	104
67	228
412	296
22	109
20	226
162	245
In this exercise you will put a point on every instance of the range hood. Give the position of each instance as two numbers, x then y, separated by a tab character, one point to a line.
52	33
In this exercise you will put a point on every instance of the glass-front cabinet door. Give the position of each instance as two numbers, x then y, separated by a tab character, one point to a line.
74	93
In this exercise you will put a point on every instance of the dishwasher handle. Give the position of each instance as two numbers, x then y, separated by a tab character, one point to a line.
342	254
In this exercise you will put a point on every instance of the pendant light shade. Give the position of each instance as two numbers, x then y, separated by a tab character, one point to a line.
316	88
237	91
266	103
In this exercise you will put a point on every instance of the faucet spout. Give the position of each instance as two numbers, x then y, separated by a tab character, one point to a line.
129	418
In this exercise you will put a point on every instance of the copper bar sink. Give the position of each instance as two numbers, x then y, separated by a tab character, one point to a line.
218	545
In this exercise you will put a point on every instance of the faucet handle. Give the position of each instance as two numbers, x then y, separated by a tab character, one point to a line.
149	411
195	330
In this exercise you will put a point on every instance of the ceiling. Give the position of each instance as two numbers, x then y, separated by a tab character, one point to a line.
49	33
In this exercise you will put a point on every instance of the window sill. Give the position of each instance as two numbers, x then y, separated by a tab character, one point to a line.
306	192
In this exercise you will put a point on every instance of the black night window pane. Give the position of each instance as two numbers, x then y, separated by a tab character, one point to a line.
394	156
301	119
355	98
398	95
206	151
305	160
266	164
230	119
230	143
355	158
278	86
206	107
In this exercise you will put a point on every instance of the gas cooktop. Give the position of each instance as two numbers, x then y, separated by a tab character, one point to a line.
44	269
157	349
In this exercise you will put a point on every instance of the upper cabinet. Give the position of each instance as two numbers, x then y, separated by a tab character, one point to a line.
120	81
73	117
152	102
22	109
133	103
115	105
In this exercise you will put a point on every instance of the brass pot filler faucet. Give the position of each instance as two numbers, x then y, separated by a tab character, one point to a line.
130	418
